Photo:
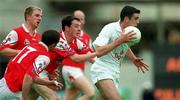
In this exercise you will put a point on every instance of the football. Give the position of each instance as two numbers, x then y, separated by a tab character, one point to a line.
137	35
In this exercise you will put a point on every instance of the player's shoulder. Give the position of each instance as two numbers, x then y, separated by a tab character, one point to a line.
111	25
18	28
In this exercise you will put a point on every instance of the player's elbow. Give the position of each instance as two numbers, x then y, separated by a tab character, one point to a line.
99	54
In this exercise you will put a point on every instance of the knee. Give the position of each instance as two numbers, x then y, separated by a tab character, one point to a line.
91	94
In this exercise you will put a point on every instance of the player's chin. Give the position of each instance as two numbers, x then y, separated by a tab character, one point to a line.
36	25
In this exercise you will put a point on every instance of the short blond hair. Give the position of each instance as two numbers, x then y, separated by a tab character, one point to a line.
29	10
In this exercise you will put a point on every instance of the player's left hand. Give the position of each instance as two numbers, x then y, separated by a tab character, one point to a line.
141	65
55	85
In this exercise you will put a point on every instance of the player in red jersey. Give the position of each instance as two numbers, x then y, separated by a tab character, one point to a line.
83	36
73	71
63	50
23	35
24	69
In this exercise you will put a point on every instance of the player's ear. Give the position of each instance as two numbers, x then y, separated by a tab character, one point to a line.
66	28
126	19
28	17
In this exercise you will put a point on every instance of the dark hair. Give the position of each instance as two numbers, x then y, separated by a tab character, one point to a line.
50	37
128	11
67	21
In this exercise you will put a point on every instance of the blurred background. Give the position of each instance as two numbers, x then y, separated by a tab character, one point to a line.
159	46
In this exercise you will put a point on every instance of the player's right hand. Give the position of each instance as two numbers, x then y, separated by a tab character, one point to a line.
126	37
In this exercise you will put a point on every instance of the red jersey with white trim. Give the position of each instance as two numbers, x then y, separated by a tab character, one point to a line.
85	37
56	60
18	38
62	50
80	48
32	59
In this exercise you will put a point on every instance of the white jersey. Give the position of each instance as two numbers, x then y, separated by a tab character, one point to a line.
113	59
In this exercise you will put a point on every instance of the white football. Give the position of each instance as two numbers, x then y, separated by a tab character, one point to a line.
137	35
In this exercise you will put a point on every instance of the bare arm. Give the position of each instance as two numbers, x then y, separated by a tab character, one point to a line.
130	55
102	50
82	57
138	62
9	52
46	82
28	81
26	85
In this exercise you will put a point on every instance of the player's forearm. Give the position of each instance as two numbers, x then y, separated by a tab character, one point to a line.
9	52
102	50
130	55
26	85
42	81
82	57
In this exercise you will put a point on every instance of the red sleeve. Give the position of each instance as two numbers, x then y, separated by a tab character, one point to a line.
66	52
55	62
10	41
31	71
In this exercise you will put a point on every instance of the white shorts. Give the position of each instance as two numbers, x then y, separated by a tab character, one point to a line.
100	72
5	92
70	74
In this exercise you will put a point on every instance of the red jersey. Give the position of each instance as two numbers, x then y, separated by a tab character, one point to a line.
18	38
32	59
62	50
55	61
80	48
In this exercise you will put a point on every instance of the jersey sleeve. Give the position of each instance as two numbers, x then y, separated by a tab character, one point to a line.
82	47
103	37
38	66
10	40
63	49
55	62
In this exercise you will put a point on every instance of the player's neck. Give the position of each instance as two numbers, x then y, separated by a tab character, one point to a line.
30	28
69	37
122	25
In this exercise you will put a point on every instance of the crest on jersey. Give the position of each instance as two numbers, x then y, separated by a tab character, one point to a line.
26	42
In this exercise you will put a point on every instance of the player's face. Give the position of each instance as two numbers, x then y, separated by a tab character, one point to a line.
134	21
82	20
75	28
81	17
35	18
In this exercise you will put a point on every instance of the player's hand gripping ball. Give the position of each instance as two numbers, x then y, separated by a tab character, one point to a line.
137	35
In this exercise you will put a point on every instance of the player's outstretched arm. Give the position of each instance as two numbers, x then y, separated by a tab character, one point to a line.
82	57
48	83
102	50
141	66
26	85
9	52
138	62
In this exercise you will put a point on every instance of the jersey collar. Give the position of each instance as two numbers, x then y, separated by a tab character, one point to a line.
24	27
